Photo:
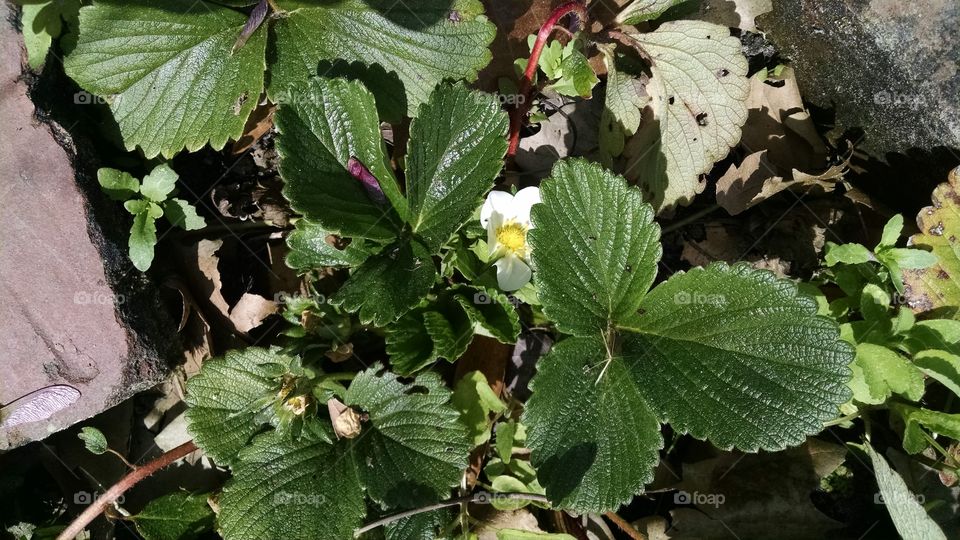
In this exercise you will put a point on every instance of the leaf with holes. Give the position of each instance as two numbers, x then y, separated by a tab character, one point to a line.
936	289
699	90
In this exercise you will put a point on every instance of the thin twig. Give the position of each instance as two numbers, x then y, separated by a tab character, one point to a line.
118	489
625	526
526	83
481	497
689	219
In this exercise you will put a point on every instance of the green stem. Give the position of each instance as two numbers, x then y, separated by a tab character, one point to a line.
843	419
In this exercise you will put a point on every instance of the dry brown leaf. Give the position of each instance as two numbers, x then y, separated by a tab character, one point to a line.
251	311
778	122
755	180
258	124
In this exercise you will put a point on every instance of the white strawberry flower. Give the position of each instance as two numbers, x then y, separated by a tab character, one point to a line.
507	219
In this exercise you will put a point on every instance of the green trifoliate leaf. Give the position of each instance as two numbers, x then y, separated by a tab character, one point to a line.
595	441
879	372
415	450
475	401
388	284
182	214
551	56
644	10
908	515
937	288
143	237
157	185
915	419
307	488
169	72
178	516
456	150
331	121
699	90
730	354
118	185
226	397
846	254
739	357
595	247
309	248
423	42
94	440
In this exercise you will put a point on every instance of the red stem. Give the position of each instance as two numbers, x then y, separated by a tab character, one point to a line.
526	84
121	487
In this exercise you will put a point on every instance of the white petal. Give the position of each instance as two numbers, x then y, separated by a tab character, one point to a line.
499	202
523	201
512	273
492	226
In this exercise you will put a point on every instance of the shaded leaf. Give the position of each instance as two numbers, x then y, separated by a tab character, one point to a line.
699	90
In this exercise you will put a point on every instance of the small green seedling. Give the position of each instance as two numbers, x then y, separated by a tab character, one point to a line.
155	201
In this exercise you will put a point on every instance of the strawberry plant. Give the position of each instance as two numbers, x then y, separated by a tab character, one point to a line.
394	390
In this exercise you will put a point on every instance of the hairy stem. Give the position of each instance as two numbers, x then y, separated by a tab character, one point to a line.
118	489
625	526
526	83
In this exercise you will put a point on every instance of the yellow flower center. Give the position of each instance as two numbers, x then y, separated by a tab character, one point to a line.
513	236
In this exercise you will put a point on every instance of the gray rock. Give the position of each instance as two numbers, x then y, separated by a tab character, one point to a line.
74	314
887	67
